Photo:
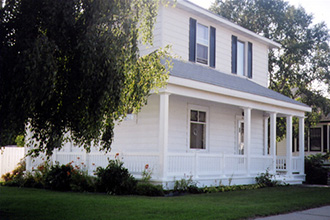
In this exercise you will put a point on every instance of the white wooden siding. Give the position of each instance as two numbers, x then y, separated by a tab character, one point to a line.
222	128
175	32
140	135
257	134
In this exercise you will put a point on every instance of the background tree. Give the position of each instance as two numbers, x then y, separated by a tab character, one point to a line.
73	67
303	62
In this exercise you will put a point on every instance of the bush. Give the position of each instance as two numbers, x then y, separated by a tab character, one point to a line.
214	189
115	179
314	170
148	189
59	177
265	179
184	185
16	177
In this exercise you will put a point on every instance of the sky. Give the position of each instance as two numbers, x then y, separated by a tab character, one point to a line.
319	8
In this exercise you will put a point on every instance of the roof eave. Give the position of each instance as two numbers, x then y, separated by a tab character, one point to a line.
188	6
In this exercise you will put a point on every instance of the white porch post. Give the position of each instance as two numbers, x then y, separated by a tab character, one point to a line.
273	139
302	144
163	131
289	145
266	135
247	138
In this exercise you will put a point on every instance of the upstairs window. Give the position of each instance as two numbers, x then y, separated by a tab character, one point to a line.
201	43
238	57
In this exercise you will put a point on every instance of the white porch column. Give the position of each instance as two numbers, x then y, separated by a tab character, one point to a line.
289	145
163	132
247	137
266	136
302	144
273	139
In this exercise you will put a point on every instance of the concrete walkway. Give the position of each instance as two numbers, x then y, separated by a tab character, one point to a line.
322	213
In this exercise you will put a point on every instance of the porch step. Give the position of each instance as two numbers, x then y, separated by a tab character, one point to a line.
296	180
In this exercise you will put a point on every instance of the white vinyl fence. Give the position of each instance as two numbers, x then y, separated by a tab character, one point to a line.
10	156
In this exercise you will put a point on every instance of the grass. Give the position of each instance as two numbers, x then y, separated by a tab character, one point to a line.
26	203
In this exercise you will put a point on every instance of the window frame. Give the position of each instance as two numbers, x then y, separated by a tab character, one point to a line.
310	139
247	59
193	44
206	123
244	58
204	45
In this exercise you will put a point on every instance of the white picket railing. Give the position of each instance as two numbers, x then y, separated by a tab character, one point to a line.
296	164
9	158
177	164
134	162
202	164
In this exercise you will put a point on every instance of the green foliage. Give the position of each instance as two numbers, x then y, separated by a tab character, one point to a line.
73	67
266	179
115	179
148	189
217	189
59	177
186	184
304	57
16	177
315	171
146	174
20	140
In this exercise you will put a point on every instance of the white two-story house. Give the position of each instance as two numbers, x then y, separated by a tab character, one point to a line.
216	119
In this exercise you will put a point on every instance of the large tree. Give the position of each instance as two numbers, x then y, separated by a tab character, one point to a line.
303	62
71	68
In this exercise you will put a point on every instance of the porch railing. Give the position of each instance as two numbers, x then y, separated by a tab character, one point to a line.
177	164
296	164
202	164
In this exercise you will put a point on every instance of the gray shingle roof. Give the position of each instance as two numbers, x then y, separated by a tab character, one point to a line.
188	70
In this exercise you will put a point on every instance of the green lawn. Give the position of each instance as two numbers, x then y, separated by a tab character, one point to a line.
24	203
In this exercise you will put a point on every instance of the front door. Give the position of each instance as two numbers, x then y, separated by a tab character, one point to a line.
240	147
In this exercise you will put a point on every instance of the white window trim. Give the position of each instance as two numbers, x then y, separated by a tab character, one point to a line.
208	46
204	109
245	63
244	58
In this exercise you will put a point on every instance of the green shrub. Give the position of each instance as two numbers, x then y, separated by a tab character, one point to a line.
265	179
216	189
115	179
82	182
59	177
148	189
314	170
184	185
16	177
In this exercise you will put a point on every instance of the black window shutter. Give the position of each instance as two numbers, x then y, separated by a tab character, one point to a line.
192	40
233	54
325	138
212	46
250	60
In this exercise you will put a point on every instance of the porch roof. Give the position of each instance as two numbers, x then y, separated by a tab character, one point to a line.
211	76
